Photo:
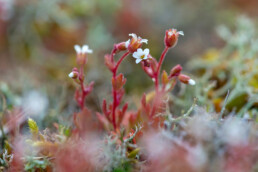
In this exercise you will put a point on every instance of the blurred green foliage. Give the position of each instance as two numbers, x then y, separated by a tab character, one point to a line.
233	67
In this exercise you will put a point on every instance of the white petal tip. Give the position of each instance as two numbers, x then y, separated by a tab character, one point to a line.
138	61
191	82
181	33
78	49
144	41
71	75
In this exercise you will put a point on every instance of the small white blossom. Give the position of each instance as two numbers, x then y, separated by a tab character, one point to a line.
191	82
141	54
82	50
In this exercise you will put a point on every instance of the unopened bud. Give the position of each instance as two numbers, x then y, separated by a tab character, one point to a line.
186	79
121	46
175	71
73	75
108	62
118	82
164	77
171	37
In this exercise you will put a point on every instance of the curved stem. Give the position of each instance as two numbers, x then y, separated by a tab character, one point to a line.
156	77
162	57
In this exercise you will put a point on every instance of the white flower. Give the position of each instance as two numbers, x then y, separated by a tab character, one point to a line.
191	82
82	50
174	31
141	54
134	36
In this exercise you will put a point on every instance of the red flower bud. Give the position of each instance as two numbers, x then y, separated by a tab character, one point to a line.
171	37
118	82
120	47
108	62
175	71
186	79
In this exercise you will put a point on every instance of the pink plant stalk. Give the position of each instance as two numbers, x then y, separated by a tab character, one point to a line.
118	81
78	75
152	68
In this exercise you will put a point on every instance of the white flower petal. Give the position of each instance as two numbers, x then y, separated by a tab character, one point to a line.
191	82
133	35
127	43
144	41
77	49
138	61
145	57
90	51
85	49
139	50
181	33
146	51
71	75
170	33
136	55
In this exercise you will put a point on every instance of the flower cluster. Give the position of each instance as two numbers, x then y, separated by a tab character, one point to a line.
112	114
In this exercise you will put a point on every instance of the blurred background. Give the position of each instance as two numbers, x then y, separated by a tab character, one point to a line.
37	39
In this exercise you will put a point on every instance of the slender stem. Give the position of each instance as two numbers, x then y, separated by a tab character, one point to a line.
112	54
161	59
81	78
156	77
115	103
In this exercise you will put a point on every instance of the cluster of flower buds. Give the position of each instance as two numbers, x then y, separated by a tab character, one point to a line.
176	72
133	46
82	53
171	37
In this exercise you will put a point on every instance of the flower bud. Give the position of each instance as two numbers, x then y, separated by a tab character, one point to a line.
74	74
171	37
120	47
108	62
164	78
135	43
118	82
175	71
186	79
82	53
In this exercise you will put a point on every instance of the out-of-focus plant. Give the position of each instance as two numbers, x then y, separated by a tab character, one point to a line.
233	68
43	27
148	138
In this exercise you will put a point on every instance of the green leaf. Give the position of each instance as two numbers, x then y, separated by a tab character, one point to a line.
33	126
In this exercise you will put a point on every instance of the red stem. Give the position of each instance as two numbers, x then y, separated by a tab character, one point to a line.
115	103
81	78
156	75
